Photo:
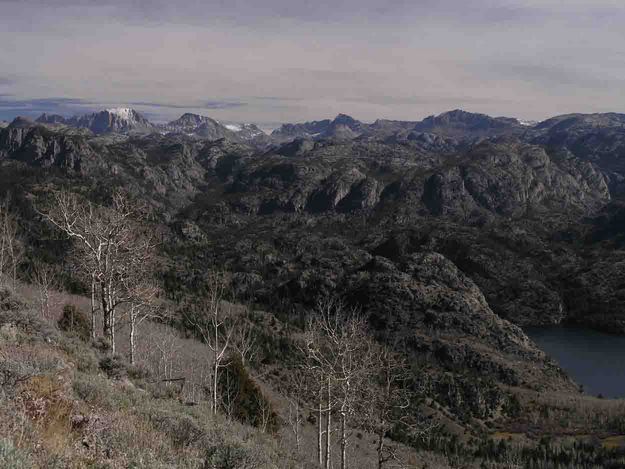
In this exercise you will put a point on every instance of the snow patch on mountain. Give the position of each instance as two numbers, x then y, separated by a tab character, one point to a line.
527	123
122	112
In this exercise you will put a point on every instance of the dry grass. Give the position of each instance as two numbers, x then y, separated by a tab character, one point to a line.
573	413
56	413
614	442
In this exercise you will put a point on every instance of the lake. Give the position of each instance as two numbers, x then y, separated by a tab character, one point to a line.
593	359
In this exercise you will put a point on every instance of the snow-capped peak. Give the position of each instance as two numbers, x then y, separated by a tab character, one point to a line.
527	123
234	127
122	112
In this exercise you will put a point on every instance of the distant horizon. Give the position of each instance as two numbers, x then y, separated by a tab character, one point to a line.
282	61
268	127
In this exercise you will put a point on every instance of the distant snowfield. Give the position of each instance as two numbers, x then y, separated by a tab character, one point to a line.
527	123
234	127
122	112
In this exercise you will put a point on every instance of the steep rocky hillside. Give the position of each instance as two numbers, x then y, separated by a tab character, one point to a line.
446	234
518	214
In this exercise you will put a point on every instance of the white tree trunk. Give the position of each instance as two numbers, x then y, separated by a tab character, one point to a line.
343	441
319	430
133	319
297	424
215	370
380	449
112	318
93	308
106	313
328	426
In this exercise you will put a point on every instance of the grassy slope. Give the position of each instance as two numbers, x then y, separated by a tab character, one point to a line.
60	407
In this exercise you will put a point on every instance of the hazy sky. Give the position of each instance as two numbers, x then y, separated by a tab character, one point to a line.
270	61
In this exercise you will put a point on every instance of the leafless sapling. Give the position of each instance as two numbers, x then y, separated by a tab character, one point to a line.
215	326
110	245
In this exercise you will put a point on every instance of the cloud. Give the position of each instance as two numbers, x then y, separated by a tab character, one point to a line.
293	60
554	75
11	106
159	105
223	104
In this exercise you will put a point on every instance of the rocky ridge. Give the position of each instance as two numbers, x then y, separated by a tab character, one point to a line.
511	206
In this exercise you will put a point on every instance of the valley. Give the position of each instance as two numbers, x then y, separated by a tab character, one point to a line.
450	236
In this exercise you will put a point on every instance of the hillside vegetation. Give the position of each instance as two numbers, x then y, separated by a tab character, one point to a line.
340	295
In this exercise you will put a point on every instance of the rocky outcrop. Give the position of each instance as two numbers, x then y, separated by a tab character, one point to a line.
206	128
201	126
597	138
118	120
464	124
289	132
37	146
516	217
511	179
51	119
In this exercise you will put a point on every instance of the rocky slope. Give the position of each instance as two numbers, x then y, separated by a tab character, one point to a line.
464	124
447	234
521	214
456	124
211	129
598	138
118	120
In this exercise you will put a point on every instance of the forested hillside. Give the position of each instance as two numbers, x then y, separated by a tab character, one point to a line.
337	294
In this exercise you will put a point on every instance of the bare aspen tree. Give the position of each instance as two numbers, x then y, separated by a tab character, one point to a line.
353	346
388	400
110	245
328	431
45	280
295	420
265	411
315	373
244	341
11	248
168	347
138	293
338	346
141	306
391	401
297	390
230	391
215	327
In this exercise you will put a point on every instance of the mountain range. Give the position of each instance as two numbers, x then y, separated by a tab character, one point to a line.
448	234
129	121
475	180
343	127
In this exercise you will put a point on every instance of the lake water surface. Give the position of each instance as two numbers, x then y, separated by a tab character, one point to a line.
593	359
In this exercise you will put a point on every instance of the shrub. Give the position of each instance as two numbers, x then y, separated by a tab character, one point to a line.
12	457
75	321
88	388
26	362
81	354
114	367
30	325
138	372
98	391
183	430
229	457
9	301
248	405
161	390
101	345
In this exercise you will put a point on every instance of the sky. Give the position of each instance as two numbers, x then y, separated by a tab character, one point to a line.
274	61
